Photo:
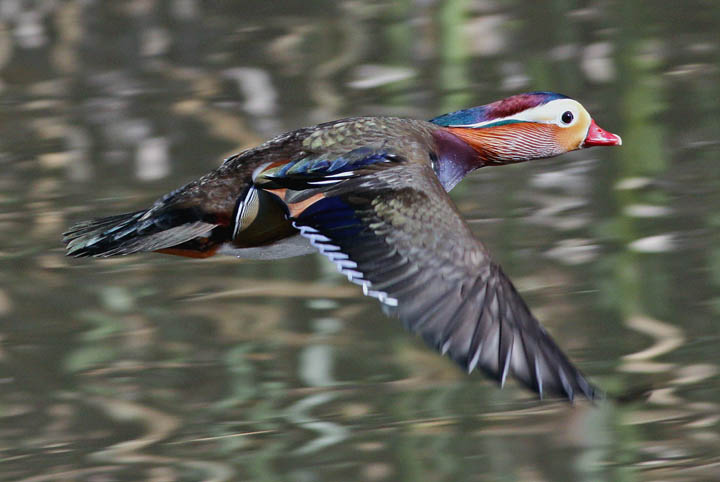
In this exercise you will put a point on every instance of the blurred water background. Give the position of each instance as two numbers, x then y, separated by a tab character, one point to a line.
158	368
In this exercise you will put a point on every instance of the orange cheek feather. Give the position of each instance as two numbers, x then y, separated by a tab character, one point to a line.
568	138
512	142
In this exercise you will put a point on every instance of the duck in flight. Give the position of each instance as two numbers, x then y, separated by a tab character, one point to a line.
370	193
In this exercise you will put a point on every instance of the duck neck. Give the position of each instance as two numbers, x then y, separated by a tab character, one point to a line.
455	158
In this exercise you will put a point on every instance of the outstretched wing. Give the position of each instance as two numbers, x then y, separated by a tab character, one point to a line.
390	226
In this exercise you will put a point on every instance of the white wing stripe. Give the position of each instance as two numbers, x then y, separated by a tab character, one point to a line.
343	264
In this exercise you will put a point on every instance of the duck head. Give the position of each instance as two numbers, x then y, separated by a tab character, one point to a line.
525	127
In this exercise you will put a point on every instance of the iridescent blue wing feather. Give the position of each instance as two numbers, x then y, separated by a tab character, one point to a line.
324	169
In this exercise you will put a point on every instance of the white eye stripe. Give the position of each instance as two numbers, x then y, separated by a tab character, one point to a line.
550	113
519	117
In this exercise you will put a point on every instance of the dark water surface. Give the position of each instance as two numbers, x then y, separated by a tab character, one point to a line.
159	368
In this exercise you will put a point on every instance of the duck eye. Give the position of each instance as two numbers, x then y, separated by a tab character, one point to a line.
567	117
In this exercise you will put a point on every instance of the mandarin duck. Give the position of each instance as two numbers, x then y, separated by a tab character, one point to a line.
370	193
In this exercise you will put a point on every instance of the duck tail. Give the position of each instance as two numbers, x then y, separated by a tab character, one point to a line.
133	232
100	237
